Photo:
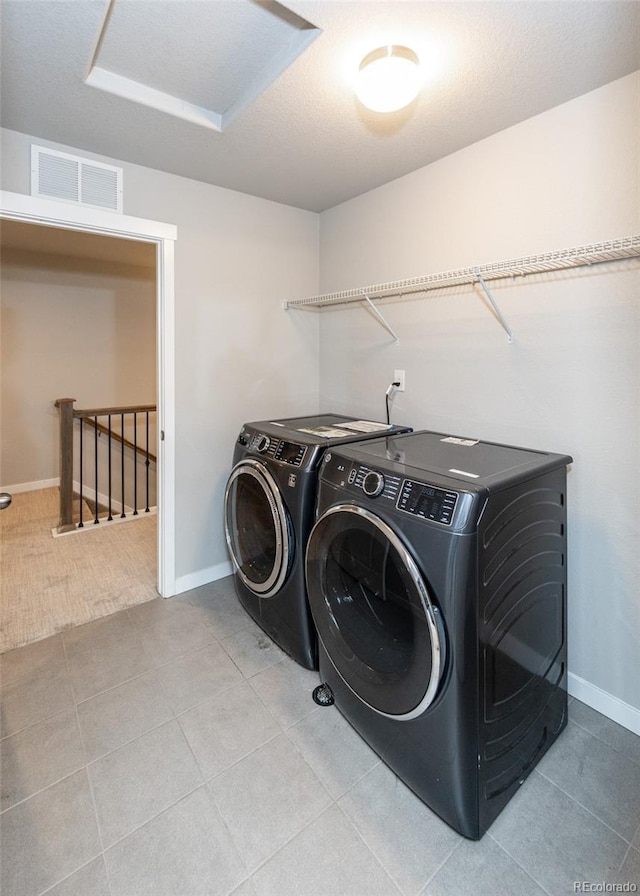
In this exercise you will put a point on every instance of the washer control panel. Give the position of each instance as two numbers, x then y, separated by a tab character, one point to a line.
426	501
374	483
423	500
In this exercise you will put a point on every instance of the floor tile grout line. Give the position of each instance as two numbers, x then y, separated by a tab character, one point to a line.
624	858
90	783
266	706
426	883
236	761
228	832
518	863
100	644
115	687
176	715
132	740
586	808
606	743
42	790
154	667
293	837
139	827
94	857
89	763
30	676
71	874
442	864
32	645
630	848
282	733
240	759
355	783
38	722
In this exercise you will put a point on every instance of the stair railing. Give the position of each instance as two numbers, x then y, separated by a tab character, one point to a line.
115	435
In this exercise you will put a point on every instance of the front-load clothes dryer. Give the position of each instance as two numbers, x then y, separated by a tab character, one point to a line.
269	511
436	576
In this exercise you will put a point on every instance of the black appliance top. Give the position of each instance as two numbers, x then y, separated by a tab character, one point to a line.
476	463
324	429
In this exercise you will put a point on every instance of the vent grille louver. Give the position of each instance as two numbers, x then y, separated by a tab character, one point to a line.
58	175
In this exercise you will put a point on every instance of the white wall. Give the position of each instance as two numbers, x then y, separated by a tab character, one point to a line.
239	356
570	381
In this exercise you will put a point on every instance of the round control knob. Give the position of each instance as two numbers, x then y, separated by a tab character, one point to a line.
263	444
373	484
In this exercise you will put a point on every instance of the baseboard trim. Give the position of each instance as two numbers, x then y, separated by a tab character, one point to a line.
203	577
617	710
30	486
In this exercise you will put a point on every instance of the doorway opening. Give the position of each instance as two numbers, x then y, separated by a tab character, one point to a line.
53	218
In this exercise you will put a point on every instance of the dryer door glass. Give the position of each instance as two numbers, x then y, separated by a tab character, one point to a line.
373	612
257	528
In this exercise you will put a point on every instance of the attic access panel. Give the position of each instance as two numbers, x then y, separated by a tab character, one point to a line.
204	61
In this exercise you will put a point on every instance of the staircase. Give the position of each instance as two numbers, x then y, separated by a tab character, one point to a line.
107	469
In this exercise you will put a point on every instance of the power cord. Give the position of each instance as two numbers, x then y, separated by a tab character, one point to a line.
388	394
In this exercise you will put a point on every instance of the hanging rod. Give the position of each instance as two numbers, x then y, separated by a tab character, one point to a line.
562	259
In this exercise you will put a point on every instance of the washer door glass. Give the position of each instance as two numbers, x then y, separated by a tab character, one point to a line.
373	612
257	528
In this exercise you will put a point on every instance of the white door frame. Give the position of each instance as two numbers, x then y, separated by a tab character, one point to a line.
30	209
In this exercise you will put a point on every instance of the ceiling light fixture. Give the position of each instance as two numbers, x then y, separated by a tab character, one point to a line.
389	78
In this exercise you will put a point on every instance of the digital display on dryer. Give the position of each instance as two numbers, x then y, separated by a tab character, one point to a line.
426	501
290	453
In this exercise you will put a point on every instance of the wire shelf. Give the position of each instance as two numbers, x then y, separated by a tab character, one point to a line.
562	259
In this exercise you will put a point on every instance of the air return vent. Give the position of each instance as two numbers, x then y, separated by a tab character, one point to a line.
58	175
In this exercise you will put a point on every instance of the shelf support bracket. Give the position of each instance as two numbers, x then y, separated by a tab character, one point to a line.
494	304
380	318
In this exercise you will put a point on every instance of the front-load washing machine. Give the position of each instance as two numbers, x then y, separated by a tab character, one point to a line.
269	510
436	576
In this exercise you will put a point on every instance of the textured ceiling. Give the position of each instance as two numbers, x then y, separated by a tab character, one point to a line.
304	139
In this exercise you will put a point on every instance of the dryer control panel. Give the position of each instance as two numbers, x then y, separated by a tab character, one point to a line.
426	501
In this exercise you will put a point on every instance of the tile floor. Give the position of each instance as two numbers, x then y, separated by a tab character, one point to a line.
171	749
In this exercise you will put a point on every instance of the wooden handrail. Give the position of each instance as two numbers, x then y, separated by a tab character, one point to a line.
105	412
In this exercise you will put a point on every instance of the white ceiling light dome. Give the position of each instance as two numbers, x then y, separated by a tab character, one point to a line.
389	78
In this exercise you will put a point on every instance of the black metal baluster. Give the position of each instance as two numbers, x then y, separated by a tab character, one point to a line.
123	514
80	523
110	517
146	509
135	464
95	457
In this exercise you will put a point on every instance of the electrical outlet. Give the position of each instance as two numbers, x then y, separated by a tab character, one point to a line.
398	377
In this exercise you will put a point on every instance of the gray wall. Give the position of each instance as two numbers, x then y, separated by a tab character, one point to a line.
570	381
71	327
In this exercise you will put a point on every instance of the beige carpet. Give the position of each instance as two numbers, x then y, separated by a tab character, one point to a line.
49	584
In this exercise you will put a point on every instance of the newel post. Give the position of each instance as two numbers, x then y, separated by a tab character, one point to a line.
65	406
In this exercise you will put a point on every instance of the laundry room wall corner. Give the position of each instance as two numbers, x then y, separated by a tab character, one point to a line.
570	380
